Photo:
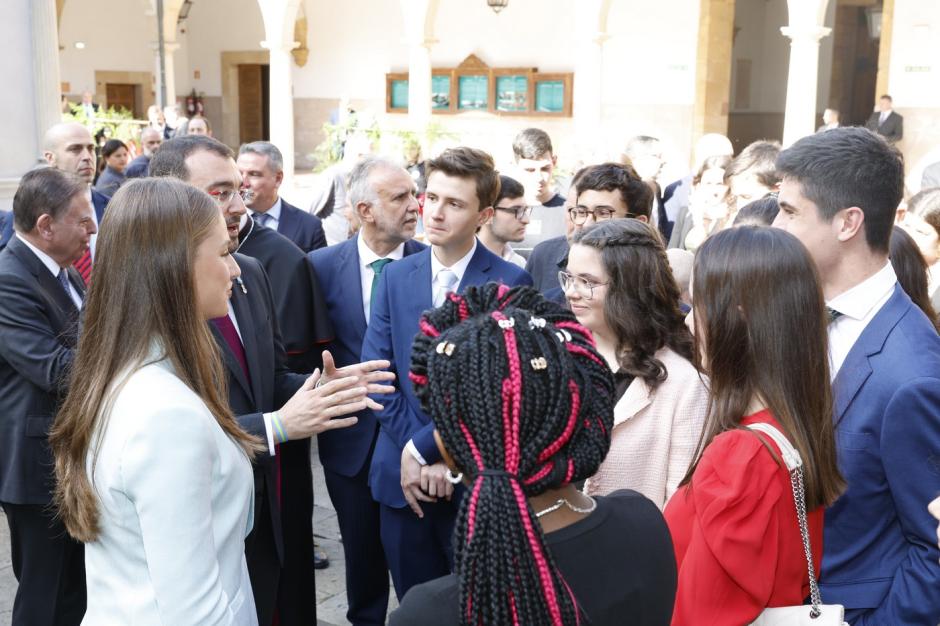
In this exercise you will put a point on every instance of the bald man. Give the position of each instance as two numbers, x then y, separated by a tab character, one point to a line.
150	140
69	147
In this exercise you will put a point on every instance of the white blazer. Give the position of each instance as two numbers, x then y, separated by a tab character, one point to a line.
176	500
655	433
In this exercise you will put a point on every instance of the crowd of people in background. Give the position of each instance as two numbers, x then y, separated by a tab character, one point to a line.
537	400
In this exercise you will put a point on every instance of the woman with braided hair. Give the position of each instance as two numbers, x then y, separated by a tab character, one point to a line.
620	286
521	403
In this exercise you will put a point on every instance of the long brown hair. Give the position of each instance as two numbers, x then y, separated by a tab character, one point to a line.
761	331
143	294
642	303
911	270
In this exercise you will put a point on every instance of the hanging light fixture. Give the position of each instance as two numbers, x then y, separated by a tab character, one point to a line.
497	5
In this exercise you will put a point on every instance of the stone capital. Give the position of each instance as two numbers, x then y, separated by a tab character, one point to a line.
282	46
169	47
805	34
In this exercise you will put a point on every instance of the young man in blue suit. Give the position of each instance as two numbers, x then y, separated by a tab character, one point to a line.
382	194
406	467
262	169
839	194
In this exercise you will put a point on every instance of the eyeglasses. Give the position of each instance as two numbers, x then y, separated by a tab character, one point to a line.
222	198
579	214
583	286
521	212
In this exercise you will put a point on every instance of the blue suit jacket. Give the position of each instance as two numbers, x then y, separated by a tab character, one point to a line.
6	228
880	543
402	295
301	227
337	268
99	201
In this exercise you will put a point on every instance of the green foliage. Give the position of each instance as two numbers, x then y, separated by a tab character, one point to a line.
120	122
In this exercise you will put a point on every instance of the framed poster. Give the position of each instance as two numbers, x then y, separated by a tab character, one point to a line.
512	93
440	92
396	93
473	92
552	94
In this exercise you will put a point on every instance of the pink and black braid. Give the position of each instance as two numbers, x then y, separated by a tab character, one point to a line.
515	431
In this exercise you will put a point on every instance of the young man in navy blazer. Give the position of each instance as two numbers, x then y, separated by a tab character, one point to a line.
382	194
462	187
262	169
839	194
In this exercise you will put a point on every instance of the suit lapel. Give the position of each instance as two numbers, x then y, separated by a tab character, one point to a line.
856	368
246	327
48	283
420	298
351	280
288	224
478	269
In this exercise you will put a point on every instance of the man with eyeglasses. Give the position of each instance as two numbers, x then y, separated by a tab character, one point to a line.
508	222
263	376
599	192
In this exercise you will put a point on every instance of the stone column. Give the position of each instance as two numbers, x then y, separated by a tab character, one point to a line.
46	83
281	103
419	84
800	116
169	47
590	32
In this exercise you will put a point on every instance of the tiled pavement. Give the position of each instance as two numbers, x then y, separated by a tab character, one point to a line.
331	582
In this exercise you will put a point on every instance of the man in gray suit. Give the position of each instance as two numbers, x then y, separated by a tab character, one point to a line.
885	121
40	298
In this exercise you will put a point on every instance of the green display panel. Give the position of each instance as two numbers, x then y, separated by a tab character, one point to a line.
472	93
550	96
440	92
399	94
512	93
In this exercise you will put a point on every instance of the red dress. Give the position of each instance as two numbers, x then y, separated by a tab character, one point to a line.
736	535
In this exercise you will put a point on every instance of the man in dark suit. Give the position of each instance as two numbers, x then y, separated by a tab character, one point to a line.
40	299
259	381
885	121
598	192
383	196
839	195
69	147
150	140
6	228
261	166
462	187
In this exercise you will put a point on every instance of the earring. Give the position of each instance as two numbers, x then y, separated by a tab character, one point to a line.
454	480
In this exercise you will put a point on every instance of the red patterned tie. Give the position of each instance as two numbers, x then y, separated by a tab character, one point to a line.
83	265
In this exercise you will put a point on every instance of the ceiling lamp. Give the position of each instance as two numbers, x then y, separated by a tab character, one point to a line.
497	5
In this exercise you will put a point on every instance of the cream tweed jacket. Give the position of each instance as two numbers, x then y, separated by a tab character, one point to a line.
655	433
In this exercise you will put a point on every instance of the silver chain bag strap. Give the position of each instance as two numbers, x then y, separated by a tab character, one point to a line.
816	613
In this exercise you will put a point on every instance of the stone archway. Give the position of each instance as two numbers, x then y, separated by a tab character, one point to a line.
713	67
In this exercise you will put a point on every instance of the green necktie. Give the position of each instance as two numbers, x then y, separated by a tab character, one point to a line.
377	266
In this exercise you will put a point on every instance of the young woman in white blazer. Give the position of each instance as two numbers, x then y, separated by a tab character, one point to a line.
618	284
154	473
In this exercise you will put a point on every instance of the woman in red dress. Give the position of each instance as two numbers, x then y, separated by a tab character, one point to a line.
760	331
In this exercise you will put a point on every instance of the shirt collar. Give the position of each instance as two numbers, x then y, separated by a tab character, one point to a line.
858	301
457	268
508	253
367	256
274	212
47	260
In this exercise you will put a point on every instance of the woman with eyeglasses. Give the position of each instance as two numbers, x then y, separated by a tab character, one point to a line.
620	286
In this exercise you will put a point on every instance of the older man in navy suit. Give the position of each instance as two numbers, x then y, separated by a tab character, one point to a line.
262	169
839	194
40	300
462	188
6	228
383	197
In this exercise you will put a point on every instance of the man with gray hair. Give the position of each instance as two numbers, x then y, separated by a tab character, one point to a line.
262	169
150	140
382	195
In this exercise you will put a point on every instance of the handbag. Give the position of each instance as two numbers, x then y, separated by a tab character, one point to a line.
816	613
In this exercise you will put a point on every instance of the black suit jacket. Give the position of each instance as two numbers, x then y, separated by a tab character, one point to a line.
6	228
138	168
892	129
38	335
303	228
271	384
546	260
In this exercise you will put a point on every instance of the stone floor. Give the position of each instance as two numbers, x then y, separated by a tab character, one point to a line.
331	582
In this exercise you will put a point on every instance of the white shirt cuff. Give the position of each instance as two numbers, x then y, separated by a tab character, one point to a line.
269	432
413	450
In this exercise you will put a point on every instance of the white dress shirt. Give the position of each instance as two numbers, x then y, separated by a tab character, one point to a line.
459	269
93	243
512	256
274	215
858	307
54	269
366	273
